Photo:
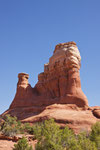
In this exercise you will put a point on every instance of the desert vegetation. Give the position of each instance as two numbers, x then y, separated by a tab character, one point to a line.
22	145
50	136
11	126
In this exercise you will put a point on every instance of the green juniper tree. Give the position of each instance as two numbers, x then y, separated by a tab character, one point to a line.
22	145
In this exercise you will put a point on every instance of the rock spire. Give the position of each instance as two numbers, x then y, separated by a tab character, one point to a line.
59	83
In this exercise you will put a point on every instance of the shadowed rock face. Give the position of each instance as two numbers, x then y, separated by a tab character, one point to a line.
59	83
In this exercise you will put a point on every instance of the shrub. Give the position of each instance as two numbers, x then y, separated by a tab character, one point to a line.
22	145
10	131
85	142
10	126
48	135
28	128
69	141
51	137
95	134
95	131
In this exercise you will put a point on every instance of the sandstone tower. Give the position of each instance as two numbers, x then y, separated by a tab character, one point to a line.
57	94
59	83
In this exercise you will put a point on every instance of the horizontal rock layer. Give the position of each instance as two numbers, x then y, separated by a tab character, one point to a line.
79	119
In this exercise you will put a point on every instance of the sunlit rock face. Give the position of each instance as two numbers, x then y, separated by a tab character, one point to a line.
66	54
57	94
59	83
61	78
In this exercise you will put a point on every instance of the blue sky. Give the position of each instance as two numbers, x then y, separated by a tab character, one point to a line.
29	31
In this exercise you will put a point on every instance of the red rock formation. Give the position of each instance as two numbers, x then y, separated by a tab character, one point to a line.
77	118
96	111
57	94
59	83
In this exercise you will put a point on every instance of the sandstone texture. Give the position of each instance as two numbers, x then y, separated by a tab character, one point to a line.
6	145
77	118
59	83
96	111
57	94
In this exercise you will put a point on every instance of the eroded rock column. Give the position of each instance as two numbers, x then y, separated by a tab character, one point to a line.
24	92
22	80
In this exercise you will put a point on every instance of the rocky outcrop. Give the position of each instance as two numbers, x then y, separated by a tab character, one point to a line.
77	118
96	111
57	94
59	83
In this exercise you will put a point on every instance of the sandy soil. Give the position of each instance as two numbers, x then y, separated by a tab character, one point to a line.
6	145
